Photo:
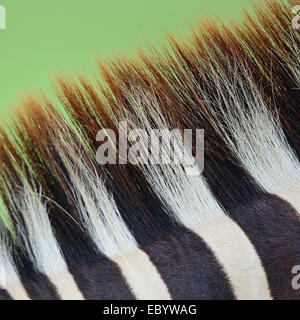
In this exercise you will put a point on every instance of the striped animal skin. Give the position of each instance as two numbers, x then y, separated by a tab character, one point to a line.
71	228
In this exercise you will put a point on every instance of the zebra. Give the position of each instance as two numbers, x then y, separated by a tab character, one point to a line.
72	229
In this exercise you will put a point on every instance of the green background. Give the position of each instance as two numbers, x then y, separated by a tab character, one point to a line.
50	37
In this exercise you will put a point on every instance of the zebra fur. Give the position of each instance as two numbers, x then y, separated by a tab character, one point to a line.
73	229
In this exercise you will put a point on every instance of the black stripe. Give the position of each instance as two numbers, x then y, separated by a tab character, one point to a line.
96	277
139	206
101	279
189	268
36	284
4	295
273	227
191	271
270	223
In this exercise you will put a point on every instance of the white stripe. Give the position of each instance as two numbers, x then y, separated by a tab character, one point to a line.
256	137
238	257
96	207
42	247
38	238
103	222
192	204
16	290
142	276
9	278
65	286
291	194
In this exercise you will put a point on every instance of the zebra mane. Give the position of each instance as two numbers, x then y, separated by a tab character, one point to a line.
236	82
